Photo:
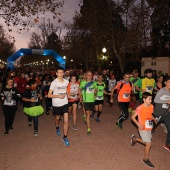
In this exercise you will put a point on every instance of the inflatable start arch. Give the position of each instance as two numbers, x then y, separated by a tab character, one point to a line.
44	52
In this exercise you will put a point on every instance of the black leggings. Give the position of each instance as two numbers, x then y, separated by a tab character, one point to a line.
9	113
35	120
124	111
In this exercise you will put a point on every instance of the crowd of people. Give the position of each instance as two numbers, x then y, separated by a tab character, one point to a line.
63	92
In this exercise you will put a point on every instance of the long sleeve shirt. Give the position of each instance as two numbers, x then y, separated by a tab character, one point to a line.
161	105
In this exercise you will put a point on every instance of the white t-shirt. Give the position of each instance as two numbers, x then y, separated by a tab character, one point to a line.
111	83
59	88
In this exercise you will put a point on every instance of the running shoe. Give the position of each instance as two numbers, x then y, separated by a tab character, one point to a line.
11	128
74	127
84	116
130	110
35	133
164	127
66	142
29	124
148	163
133	140
119	125
97	119
167	147
6	133
88	131
58	132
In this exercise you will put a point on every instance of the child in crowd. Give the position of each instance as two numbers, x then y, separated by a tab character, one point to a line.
32	105
145	125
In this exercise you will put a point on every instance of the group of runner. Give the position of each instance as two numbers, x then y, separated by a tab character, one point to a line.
65	92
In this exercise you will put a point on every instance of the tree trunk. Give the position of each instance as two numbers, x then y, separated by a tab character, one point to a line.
121	62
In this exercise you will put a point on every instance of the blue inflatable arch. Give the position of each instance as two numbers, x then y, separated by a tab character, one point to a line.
45	52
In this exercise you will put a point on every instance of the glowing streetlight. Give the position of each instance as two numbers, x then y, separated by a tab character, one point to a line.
64	57
71	60
104	50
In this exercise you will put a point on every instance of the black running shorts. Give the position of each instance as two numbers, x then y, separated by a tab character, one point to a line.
59	111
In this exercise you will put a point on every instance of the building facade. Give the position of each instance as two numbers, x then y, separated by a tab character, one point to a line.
159	64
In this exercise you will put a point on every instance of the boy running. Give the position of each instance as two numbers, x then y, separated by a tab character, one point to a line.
58	93
145	125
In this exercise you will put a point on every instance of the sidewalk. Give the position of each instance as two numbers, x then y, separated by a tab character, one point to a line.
107	148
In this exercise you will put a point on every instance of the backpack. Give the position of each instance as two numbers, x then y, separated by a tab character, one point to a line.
118	90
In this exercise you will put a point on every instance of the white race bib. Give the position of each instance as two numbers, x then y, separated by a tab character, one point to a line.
165	106
99	98
149	89
126	95
90	90
149	124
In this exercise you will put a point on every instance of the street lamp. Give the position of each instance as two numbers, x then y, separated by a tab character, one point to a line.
104	50
71	63
64	57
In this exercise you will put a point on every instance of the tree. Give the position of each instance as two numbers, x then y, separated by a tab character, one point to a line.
78	44
7	47
94	28
27	12
35	41
160	20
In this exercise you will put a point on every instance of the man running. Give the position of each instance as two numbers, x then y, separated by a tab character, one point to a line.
58	93
89	90
146	84
124	89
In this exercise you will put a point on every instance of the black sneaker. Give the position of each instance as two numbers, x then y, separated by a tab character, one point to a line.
119	125
47	113
133	140
6	133
148	163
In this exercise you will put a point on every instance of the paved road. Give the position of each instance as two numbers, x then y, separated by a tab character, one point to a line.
107	148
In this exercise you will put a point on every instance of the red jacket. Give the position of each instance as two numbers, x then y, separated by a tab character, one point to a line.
22	82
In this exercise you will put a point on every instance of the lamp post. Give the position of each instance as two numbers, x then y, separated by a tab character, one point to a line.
71	63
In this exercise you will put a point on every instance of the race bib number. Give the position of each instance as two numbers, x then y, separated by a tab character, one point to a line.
165	106
126	95
61	93
149	124
90	90
73	96
149	88
99	97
